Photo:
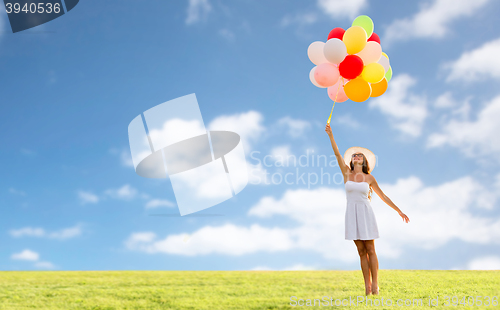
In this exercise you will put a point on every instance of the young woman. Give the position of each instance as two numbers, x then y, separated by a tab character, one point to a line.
360	222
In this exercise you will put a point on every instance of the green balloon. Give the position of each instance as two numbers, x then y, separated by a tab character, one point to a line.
364	22
388	74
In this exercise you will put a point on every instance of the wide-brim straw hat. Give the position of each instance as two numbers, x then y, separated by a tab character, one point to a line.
370	157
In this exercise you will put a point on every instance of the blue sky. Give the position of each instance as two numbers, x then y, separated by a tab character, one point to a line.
70	197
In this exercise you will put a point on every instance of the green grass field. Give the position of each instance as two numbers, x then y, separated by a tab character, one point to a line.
240	289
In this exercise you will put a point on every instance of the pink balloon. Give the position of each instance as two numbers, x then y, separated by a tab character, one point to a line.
326	74
311	77
335	91
371	52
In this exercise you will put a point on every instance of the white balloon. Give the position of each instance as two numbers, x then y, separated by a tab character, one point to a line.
384	61
335	50
371	53
315	53
311	77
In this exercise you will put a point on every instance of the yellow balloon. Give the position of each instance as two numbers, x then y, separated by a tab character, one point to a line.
373	73
385	55
358	90
354	39
379	88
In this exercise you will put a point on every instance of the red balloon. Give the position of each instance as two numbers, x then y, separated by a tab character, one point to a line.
351	67
336	33
374	37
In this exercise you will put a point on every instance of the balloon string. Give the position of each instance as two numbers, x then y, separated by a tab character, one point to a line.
338	88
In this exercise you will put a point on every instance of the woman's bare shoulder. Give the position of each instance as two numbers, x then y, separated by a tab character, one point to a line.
370	179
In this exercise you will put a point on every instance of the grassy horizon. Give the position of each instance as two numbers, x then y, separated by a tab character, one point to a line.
237	289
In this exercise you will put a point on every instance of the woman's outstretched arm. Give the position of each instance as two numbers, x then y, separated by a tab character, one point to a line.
386	199
340	160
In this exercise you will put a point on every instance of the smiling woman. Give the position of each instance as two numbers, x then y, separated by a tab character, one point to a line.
360	222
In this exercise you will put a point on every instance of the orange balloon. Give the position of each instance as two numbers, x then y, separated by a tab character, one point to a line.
358	90
379	88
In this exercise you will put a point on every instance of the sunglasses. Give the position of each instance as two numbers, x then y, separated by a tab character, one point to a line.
359	155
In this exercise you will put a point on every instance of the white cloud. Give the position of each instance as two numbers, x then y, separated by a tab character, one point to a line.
477	64
282	155
135	240
87	197
228	239
299	267
26	255
406	111
173	131
344	120
248	125
474	138
197	10
342	8
126	192
445	101
27	231
485	263
66	233
296	127
29	255
438	214
227	34
433	20
155	203
62	234
16	192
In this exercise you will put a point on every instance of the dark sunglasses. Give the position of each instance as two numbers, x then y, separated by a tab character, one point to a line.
360	155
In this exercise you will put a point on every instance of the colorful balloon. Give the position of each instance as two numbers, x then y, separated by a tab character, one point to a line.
354	39
384	61
334	92
350	64
388	74
374	37
373	73
315	53
365	22
379	88
326	74
358	90
311	77
351	67
336	33
371	53
335	51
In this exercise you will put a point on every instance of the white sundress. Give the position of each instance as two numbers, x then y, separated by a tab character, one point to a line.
360	222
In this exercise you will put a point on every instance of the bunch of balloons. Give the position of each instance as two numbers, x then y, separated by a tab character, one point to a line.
351	64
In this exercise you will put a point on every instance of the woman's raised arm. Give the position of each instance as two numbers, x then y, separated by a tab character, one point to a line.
340	160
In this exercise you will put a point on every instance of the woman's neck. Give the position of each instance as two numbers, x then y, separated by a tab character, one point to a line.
358	169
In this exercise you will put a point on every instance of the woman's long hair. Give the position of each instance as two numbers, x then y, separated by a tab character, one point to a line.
365	169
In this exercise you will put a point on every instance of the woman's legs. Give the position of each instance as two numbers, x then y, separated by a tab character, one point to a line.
373	262
365	266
